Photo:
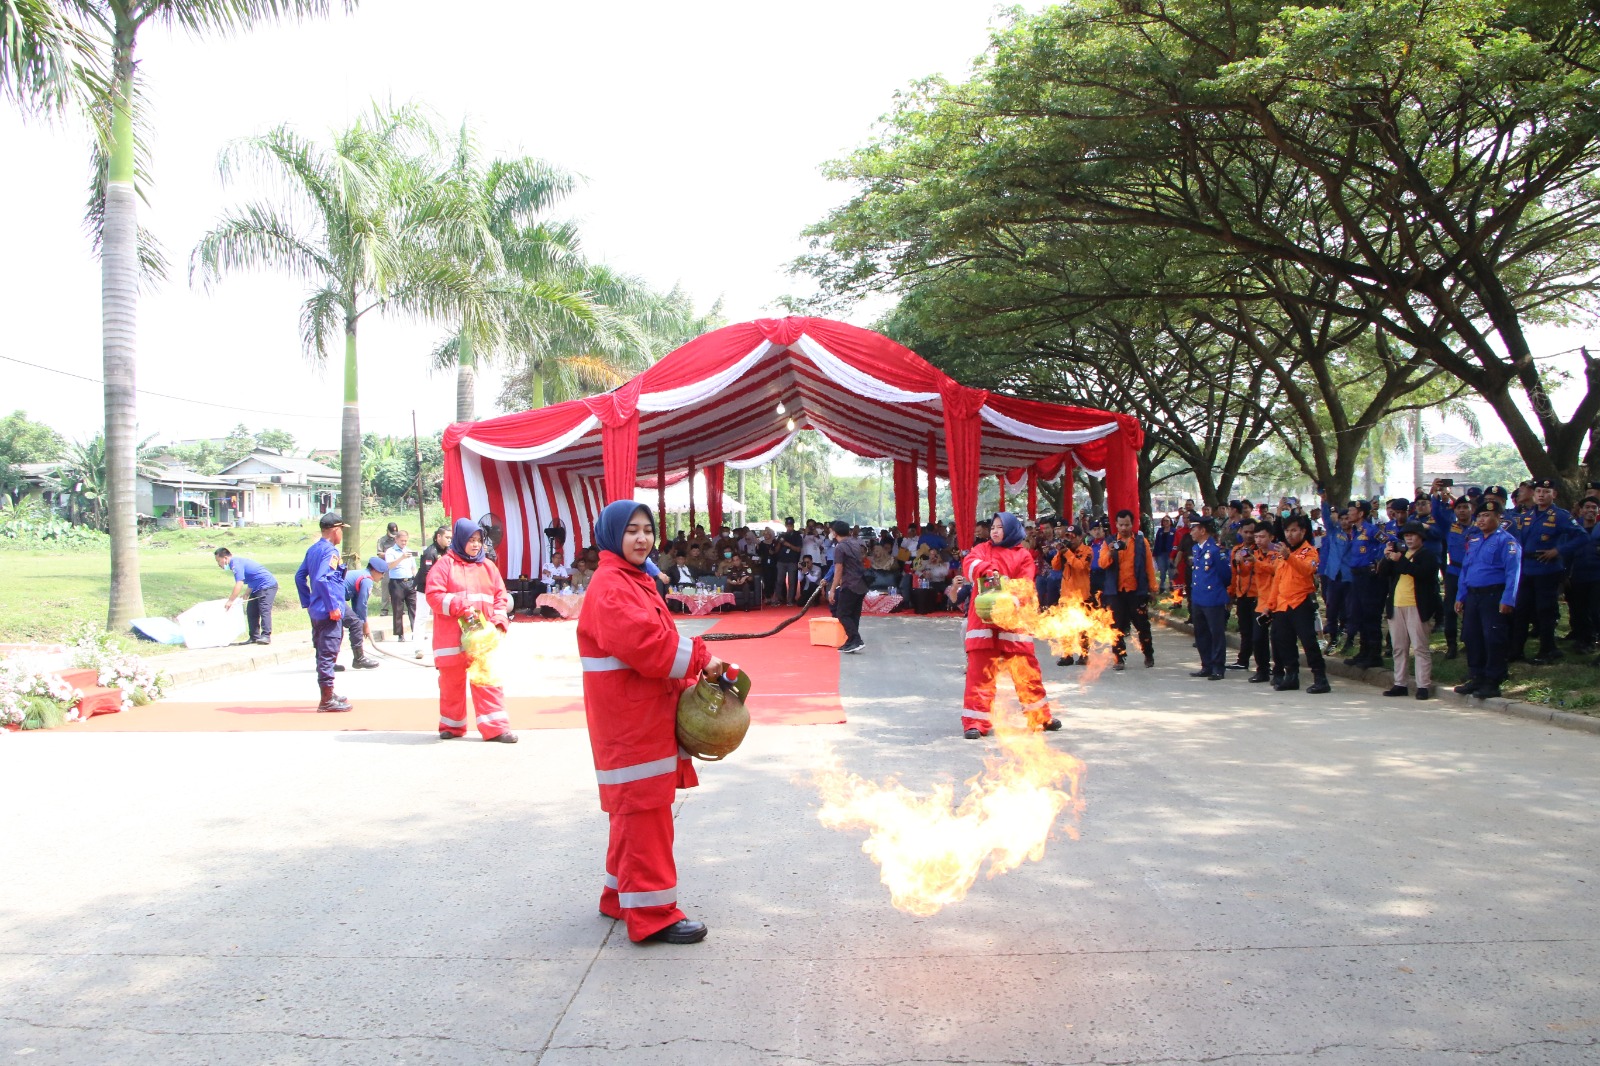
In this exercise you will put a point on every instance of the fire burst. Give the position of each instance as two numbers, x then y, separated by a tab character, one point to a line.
931	850
1072	627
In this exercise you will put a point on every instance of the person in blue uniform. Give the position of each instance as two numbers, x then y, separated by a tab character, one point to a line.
1550	539
358	590
1452	521
1209	573
250	576
1333	567
1485	598
1583	581
1366	587
320	583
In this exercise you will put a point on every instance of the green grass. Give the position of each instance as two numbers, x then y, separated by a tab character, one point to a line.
43	593
1571	685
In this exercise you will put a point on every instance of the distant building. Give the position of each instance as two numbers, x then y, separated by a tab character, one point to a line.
271	488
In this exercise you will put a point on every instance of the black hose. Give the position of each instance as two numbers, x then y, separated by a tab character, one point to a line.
780	627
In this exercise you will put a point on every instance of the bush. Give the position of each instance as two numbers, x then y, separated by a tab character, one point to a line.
36	529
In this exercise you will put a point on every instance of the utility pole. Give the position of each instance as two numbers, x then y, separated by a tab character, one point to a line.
422	514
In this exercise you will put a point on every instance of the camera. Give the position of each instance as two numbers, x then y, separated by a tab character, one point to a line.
1447	482
1119	545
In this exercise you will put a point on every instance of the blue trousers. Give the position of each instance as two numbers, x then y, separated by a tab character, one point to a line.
1486	633
1367	612
326	636
1337	595
1211	636
1048	585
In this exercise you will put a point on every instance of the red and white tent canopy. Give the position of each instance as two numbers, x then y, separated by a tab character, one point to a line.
713	405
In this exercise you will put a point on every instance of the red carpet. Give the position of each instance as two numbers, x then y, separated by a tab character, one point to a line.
795	684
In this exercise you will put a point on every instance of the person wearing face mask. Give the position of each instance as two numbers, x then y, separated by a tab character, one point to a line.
738	579
463	584
635	666
992	650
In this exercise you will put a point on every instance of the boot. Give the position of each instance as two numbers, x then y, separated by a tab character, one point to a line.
1449	647
330	702
364	663
1290	682
1259	677
1319	683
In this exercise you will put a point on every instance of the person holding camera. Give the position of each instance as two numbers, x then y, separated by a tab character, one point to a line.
1412	608
402	584
1452	524
1072	560
1366	606
1243	591
1128	569
1294	608
1264	558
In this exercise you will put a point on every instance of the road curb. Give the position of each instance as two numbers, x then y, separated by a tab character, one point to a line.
281	650
1383	677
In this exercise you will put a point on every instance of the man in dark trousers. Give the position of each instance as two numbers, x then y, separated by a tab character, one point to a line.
1128	569
787	559
251	576
320	583
1209	572
358	590
1485	599
849	586
1412	570
1550	539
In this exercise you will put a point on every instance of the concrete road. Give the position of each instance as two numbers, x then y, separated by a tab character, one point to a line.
1261	879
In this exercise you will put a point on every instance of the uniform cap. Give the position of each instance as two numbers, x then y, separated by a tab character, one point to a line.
377	563
1542	483
1206	521
1492	506
1414	527
1496	490
332	519
1400	502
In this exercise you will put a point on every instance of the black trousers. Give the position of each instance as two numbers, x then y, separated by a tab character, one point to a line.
1298	623
403	604
355	632
1452	627
1261	644
258	611
847	608
1486	633
1538	606
1245	611
1130	610
1583	611
1211	636
1338	596
1367	612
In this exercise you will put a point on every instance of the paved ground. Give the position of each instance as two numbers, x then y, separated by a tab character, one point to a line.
1260	879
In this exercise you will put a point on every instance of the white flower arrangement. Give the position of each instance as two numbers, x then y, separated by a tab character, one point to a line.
21	690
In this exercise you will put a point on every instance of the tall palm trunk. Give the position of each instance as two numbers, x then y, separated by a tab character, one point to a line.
466	380
772	486
538	387
1418	451
350	446
119	301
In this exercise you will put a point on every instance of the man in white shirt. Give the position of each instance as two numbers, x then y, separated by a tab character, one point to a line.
556	574
811	543
402	584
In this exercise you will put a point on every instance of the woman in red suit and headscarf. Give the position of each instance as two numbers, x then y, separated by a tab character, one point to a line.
635	665
463	583
991	649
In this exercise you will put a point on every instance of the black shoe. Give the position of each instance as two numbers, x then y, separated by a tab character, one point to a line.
1120	666
1356	660
338	668
1199	673
447	735
1489	691
508	737
851	646
1259	677
1290	683
1450	652
1052	725
364	663
1065	660
1238	666
1547	658
1149	659
687	931
971	734
1397	690
1423	693
1082	660
1319	685
1215	677
1467	688
261	640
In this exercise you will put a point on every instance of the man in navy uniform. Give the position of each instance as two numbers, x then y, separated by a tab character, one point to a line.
320	583
1453	521
1209	573
251	576
359	588
1367	588
1549	538
1485	598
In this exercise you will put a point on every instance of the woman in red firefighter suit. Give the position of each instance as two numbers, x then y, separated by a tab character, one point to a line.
463	583
991	649
635	665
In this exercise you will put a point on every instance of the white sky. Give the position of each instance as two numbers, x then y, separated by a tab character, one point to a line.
699	129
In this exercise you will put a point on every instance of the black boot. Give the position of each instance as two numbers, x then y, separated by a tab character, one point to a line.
1290	682
330	702
1259	676
1449	648
1319	683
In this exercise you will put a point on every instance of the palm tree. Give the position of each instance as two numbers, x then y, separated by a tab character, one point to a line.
369	227
46	59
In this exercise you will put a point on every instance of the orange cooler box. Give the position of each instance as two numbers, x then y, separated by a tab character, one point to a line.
827	632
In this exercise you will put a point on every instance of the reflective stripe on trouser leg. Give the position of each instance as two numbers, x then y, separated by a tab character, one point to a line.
640	855
978	699
488	705
453	695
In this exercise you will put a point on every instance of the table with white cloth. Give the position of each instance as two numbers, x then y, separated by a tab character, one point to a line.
702	603
567	604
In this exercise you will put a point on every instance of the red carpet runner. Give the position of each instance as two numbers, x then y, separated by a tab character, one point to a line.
795	684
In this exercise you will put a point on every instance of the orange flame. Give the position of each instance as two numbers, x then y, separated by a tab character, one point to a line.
1071	626
930	850
1174	598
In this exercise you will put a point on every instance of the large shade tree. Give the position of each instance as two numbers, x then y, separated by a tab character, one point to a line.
366	223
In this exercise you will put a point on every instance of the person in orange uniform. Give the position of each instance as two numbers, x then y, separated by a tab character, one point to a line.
1243	592
635	666
1264	570
1128	567
461	584
991	649
1294	607
1073	561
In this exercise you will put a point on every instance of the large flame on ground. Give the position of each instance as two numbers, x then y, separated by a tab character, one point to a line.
932	850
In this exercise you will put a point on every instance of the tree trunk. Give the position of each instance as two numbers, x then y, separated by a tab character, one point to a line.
119	300
1146	474
744	509
466	380
536	388
1097	495
1417	453
802	523
350	448
772	484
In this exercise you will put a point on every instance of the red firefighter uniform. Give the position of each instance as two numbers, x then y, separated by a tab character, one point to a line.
635	666
991	649
456	588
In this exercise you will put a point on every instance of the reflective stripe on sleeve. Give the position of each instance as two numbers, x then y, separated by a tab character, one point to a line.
648	899
594	664
444	601
680	661
638	771
440	653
